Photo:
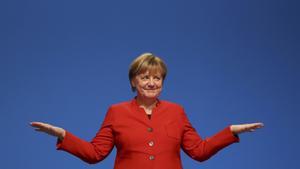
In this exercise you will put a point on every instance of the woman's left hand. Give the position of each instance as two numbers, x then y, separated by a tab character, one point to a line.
241	128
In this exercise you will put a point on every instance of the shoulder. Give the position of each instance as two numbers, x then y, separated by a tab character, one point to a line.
175	110
118	107
172	105
121	105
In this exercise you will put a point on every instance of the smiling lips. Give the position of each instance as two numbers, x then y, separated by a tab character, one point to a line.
150	89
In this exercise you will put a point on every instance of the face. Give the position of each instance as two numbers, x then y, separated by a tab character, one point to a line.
148	85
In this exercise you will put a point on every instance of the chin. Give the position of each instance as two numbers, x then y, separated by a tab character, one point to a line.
152	96
149	95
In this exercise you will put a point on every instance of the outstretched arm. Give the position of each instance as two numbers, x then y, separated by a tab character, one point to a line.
202	149
91	152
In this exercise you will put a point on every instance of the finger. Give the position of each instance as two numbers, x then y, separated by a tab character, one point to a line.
34	124
43	128
42	125
45	131
253	127
258	124
261	125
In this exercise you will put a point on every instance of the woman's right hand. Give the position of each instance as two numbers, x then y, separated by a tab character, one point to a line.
49	129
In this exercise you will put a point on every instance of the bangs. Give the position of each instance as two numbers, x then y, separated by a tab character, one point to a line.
152	68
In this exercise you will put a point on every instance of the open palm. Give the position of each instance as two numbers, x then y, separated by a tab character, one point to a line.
49	129
241	128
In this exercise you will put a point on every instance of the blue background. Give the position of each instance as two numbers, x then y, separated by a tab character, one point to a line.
65	62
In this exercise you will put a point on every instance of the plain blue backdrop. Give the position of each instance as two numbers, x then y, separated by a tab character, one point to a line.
65	62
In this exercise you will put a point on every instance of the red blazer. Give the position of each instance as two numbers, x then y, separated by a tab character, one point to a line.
144	143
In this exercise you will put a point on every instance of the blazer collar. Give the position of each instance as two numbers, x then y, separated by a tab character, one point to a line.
135	104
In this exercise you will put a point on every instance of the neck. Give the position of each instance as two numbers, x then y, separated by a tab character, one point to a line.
146	103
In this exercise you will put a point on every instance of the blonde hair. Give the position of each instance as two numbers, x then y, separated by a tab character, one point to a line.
146	62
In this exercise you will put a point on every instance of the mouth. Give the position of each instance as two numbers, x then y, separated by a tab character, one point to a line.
150	89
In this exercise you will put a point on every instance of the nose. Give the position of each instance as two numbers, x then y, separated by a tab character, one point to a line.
151	83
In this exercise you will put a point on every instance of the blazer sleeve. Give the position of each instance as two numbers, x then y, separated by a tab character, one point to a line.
95	150
202	149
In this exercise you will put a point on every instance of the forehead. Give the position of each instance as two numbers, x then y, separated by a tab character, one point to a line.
154	71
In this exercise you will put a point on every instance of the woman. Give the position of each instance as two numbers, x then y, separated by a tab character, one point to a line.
147	132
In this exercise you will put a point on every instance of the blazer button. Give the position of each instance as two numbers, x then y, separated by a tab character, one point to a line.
150	129
151	143
151	157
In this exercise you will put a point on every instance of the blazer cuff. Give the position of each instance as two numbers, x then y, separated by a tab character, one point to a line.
231	137
61	144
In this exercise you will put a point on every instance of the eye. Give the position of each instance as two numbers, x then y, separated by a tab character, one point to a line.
145	77
157	78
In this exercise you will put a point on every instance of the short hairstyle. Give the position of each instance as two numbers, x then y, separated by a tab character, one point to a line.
146	62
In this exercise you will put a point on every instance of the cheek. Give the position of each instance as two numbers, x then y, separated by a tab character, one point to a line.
138	84
142	85
159	84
